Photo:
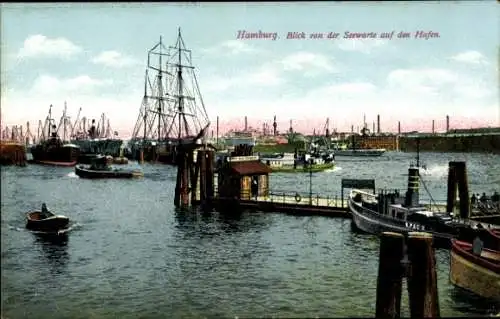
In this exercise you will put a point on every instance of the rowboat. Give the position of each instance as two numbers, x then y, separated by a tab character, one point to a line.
36	221
475	269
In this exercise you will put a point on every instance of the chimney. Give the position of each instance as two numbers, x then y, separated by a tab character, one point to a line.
275	125
412	198
373	128
217	132
433	127
352	128
399	127
378	123
447	123
246	124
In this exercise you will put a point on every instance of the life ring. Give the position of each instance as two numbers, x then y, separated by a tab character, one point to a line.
297	197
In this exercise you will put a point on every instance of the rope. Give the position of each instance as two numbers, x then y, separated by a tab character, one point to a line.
427	190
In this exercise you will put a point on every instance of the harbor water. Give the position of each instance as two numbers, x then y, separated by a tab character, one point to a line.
129	254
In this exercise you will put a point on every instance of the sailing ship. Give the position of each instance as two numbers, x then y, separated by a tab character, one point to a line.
52	150
392	212
172	110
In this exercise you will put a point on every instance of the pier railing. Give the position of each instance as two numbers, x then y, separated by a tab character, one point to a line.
297	198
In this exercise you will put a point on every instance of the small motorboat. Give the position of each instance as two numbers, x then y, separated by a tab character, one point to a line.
475	268
100	168
46	222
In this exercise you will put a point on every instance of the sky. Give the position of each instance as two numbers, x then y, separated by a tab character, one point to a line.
93	56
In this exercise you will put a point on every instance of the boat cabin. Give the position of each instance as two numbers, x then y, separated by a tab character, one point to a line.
99	162
243	177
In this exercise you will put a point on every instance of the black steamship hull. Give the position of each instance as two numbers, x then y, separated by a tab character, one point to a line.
374	223
65	155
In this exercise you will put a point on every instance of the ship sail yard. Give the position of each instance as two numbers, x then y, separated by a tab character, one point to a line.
172	110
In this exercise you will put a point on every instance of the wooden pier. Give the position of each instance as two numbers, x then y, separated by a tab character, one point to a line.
12	153
242	183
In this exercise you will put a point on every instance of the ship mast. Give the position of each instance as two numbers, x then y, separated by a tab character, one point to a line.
154	91
189	115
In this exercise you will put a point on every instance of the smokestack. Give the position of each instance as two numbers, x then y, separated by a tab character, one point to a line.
373	127
378	123
432	126
217	132
246	124
447	123
399	127
352	128
275	125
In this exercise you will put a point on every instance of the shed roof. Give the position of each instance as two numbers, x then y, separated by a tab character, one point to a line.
250	168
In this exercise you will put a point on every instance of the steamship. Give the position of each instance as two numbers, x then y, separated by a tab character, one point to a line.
392	212
53	150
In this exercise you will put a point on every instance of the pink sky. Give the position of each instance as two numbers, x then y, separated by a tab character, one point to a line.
307	126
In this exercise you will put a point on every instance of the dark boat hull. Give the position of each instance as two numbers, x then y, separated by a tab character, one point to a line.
51	224
55	163
359	152
54	154
83	172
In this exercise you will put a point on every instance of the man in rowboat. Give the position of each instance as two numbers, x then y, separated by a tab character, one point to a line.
45	212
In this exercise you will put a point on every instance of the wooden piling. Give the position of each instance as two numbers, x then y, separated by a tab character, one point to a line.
178	183
210	168
203	175
422	280
195	178
141	156
457	182
390	277
185	179
463	189
452	189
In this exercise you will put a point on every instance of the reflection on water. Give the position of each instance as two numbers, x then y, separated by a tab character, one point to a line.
55	249
209	223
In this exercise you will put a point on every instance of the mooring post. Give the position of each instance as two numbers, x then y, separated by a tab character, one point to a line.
180	163
194	173
141	156
452	188
209	179
463	189
390	275
422	280
185	179
203	175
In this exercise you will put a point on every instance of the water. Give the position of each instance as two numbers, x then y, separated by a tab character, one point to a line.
130	254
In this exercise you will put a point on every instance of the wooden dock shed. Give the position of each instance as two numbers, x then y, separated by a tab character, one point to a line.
243	177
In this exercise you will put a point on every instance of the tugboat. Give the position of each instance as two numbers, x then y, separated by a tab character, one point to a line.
100	168
99	139
391	212
53	151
